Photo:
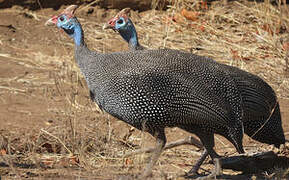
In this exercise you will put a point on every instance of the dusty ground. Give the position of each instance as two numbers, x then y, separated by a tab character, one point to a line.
49	127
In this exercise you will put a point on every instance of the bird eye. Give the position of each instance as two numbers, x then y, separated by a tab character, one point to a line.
120	21
61	18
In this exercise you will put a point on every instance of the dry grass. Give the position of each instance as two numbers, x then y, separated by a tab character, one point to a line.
81	136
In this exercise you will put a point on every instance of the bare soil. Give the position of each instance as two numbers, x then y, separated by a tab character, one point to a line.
49	127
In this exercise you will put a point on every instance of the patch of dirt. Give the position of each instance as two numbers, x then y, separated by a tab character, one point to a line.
53	129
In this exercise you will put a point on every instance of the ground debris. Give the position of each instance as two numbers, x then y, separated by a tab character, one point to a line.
258	162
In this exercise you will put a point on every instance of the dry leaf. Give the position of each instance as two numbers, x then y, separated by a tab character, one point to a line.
202	27
267	28
74	160
190	15
178	18
3	152
178	30
204	5
128	161
235	54
68	161
49	162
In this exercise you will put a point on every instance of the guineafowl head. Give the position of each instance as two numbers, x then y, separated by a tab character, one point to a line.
122	23
69	23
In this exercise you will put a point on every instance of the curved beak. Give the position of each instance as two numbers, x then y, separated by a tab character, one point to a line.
52	21
110	24
107	26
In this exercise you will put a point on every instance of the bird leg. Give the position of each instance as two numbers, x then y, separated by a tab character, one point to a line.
190	140
216	159
160	144
208	140
197	165
217	171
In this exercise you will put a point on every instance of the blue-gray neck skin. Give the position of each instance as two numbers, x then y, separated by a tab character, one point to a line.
74	30
77	34
129	34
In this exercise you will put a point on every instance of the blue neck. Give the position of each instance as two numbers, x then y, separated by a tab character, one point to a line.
78	35
129	34
73	29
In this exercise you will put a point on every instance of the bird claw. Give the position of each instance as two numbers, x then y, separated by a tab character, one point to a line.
217	172
198	176
193	172
213	175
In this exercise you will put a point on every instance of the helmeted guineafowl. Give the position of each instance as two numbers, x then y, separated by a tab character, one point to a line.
126	29
262	118
155	89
